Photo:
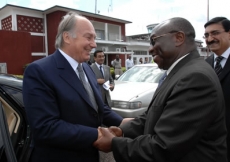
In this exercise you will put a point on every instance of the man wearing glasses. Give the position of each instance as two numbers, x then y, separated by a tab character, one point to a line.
217	37
185	120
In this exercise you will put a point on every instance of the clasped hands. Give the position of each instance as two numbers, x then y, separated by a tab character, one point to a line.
105	136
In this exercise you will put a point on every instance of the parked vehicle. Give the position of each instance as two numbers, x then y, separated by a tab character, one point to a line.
134	89
15	133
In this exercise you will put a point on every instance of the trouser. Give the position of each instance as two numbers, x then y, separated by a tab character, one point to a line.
118	72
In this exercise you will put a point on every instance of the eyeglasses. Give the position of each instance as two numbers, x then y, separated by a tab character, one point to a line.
212	34
153	39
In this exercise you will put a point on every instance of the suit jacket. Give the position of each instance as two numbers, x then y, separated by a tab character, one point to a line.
107	76
63	121
184	122
224	78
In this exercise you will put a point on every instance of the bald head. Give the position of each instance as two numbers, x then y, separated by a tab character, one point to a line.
177	24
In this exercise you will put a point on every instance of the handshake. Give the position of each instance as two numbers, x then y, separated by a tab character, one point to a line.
105	136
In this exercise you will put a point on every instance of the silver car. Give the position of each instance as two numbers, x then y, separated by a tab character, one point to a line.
134	89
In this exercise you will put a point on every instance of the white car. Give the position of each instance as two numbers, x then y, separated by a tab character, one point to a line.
134	89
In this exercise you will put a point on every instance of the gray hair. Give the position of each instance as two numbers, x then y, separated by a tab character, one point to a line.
67	24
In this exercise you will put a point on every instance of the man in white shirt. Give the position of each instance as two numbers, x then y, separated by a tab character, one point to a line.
129	62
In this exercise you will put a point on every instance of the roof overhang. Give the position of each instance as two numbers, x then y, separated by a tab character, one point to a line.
66	9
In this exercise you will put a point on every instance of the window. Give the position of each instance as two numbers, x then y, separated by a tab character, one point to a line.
100	34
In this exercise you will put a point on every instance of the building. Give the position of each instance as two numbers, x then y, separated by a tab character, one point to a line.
29	34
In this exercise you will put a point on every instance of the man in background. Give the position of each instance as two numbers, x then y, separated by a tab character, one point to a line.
103	76
116	63
217	38
146	60
129	62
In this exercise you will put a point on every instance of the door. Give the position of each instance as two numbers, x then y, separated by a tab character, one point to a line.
6	149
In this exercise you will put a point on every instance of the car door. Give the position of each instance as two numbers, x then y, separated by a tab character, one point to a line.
6	149
15	121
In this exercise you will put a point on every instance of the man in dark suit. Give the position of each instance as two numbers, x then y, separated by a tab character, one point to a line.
185	120
217	37
63	100
103	75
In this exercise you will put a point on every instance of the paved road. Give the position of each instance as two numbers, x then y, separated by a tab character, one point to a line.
106	157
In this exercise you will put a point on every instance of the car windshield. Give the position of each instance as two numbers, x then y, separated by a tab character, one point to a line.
150	74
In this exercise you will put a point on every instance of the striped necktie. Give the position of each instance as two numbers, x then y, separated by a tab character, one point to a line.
218	67
87	86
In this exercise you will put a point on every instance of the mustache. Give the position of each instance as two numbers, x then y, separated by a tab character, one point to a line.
212	42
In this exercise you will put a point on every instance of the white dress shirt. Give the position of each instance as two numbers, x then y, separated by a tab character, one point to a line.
225	56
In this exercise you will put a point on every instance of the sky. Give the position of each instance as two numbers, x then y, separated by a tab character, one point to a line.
140	12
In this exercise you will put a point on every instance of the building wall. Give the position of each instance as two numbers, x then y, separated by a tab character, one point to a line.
53	20
15	52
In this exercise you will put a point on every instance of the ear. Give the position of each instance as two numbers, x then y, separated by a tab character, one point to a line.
66	37
180	38
229	35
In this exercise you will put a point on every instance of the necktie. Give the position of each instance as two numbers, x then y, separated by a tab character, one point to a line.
161	80
87	86
101	71
218	67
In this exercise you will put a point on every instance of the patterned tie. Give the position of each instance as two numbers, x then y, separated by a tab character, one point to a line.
218	67
101	71
161	80
87	86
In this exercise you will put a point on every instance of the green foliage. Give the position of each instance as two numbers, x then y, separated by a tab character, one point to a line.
18	76
25	66
112	71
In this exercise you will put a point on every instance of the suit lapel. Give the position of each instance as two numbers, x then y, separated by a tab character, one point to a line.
97	71
93	83
67	73
225	70
105	73
210	60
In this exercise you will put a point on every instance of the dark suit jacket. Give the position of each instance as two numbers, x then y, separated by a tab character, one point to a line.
184	121
107	76
224	78
63	122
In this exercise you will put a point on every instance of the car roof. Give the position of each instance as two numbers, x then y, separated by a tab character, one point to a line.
148	64
10	80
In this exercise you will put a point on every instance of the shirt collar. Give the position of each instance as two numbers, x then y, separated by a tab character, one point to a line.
71	61
98	65
174	64
225	54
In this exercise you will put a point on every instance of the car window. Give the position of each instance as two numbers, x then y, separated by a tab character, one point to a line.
150	74
6	148
15	94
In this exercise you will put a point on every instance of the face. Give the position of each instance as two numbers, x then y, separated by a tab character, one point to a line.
217	39
129	56
100	58
164	51
81	46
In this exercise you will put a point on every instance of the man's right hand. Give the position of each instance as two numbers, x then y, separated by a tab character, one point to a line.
100	81
116	131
